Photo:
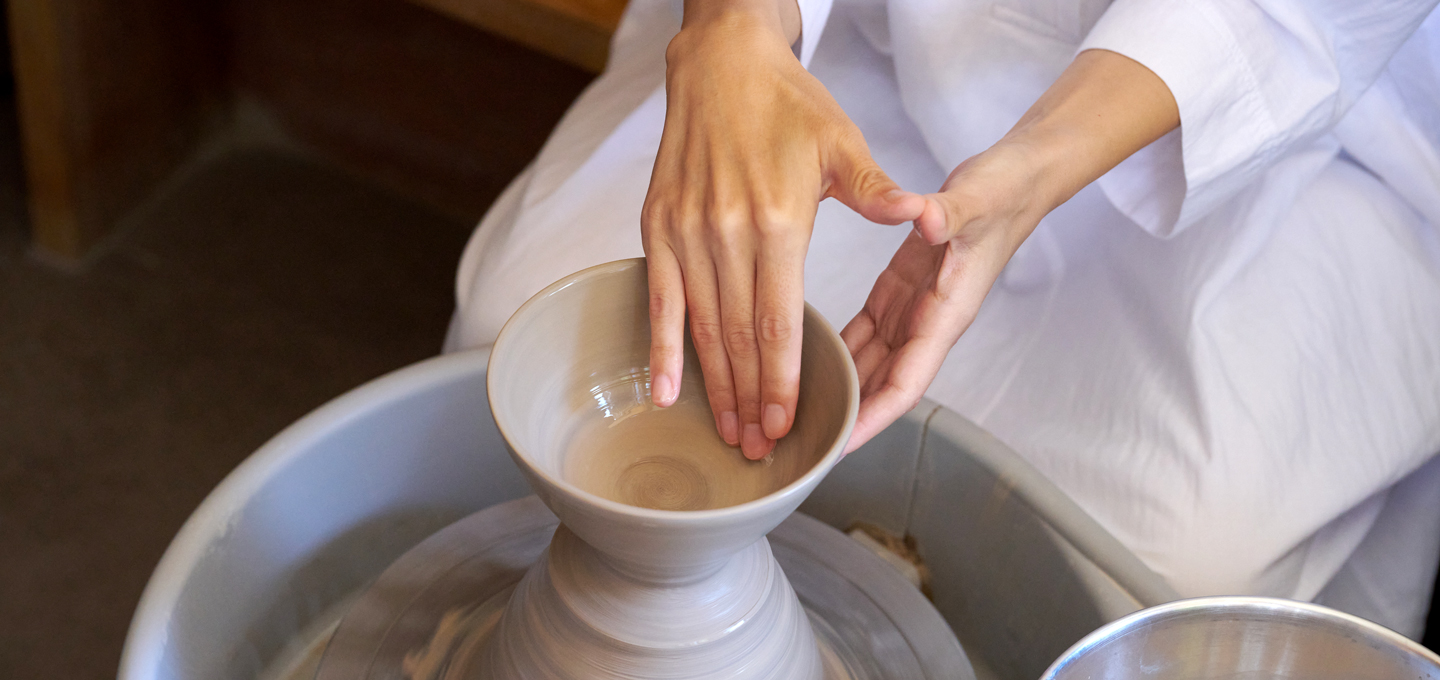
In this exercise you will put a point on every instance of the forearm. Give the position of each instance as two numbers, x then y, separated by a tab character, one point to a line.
782	16
1102	109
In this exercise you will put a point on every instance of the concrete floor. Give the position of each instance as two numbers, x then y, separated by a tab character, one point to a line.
260	287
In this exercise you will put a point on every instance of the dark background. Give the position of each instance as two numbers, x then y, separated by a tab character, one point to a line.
304	242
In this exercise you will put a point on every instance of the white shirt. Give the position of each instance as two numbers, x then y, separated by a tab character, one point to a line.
1227	351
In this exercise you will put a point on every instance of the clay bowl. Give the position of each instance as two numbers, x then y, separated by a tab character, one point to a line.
656	490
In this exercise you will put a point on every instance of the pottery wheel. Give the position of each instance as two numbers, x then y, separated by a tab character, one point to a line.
428	615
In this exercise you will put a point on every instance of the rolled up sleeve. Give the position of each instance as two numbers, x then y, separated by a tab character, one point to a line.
1253	80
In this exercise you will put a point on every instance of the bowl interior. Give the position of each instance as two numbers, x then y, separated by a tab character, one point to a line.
570	388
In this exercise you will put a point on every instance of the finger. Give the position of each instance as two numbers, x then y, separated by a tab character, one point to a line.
937	223
856	180
877	412
869	359
858	332
704	306
779	320
667	325
879	376
736	277
898	389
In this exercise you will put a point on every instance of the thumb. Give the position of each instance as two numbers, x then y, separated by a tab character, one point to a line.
857	181
935	223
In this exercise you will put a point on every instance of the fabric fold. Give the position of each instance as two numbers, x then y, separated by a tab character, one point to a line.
1254	81
813	16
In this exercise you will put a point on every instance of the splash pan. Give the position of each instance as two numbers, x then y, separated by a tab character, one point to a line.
429	614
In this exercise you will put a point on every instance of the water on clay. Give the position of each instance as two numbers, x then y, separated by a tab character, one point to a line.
630	451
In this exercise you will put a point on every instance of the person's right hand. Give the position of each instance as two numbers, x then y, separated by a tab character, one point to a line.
752	144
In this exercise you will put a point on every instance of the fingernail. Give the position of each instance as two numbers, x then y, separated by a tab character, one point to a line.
774	420
662	391
894	195
730	428
755	445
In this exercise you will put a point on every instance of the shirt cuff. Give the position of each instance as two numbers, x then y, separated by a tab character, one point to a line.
1226	134
813	15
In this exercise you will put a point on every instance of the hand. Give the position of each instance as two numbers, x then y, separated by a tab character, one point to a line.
932	289
1101	110
752	143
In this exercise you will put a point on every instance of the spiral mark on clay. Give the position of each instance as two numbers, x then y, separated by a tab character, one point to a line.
662	483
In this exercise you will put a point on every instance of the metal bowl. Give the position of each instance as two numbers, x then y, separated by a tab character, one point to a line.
1244	638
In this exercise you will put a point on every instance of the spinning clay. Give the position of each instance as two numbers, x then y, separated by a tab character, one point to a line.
660	568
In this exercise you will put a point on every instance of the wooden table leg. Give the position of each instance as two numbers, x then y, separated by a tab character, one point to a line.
113	96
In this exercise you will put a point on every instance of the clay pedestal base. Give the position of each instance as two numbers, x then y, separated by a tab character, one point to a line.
433	614
577	616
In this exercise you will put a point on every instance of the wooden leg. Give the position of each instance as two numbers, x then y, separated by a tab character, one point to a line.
36	42
113	95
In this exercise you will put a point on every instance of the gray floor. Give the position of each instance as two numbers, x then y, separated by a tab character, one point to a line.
259	288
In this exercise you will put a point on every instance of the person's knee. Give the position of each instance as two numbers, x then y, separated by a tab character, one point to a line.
1238	564
1244	544
478	320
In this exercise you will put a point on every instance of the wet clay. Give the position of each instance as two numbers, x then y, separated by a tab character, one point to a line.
433	613
674	579
663	459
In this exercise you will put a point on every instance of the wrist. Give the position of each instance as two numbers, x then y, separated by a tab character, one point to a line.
1102	109
995	199
1058	162
780	17
725	40
1049	163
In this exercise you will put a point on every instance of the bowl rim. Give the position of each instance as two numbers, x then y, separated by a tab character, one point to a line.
1239	603
758	506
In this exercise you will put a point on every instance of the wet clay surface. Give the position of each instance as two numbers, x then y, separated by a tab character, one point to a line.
625	594
450	592
662	459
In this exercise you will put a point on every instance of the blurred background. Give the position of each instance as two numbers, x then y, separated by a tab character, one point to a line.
214	217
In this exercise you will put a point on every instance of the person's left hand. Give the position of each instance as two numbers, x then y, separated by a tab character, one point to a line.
1103	108
932	289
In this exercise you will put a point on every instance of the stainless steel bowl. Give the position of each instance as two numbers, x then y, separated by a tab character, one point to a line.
1244	638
